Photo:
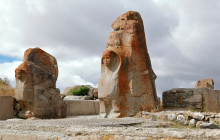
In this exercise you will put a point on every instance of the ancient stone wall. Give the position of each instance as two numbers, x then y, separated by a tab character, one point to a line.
6	107
197	99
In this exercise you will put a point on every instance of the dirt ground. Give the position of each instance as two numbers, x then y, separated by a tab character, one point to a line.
97	127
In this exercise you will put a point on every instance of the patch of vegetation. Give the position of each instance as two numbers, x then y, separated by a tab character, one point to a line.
4	81
82	91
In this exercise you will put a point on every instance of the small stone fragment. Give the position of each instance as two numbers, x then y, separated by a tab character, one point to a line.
207	118
198	116
145	113
171	117
198	124
24	114
181	119
154	118
208	126
192	122
17	106
186	122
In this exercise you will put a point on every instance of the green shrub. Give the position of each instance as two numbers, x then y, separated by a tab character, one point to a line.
82	91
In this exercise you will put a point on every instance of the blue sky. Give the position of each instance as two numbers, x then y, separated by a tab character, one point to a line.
182	37
7	59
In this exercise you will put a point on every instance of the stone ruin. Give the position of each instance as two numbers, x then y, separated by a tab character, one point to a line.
201	98
81	105
126	85
127	82
36	89
205	83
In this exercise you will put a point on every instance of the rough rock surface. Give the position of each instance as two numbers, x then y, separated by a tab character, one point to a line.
6	107
205	83
192	122
183	98
95	127
208	126
81	107
181	119
36	85
198	99
127	82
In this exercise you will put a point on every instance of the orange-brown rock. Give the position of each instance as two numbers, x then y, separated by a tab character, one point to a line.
36	84
127	83
205	83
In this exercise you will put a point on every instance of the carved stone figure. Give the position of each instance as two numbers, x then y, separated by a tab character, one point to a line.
127	83
108	84
36	85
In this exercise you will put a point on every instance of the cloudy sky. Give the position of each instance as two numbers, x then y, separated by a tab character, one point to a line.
183	37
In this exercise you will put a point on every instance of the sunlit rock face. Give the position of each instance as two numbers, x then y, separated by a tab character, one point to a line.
36	85
127	83
205	83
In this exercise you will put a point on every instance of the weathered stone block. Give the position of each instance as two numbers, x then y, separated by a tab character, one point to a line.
205	83
36	85
211	100
183	98
6	107
198	99
82	107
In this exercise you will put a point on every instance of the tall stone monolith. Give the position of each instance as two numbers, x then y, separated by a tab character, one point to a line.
36	85
127	82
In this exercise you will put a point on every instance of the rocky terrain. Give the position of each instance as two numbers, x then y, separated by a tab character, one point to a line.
143	126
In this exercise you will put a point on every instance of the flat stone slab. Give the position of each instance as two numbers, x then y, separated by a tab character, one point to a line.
6	107
82	107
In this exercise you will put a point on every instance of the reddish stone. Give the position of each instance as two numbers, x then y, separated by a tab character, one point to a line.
205	83
36	84
127	83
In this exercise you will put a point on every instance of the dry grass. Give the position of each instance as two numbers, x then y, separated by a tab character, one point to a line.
6	90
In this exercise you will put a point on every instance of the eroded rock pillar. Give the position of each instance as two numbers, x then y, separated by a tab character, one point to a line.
127	82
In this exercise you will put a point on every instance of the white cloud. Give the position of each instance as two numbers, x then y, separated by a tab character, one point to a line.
182	36
77	72
8	70
84	71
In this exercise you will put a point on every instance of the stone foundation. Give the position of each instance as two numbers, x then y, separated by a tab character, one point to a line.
82	107
6	107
